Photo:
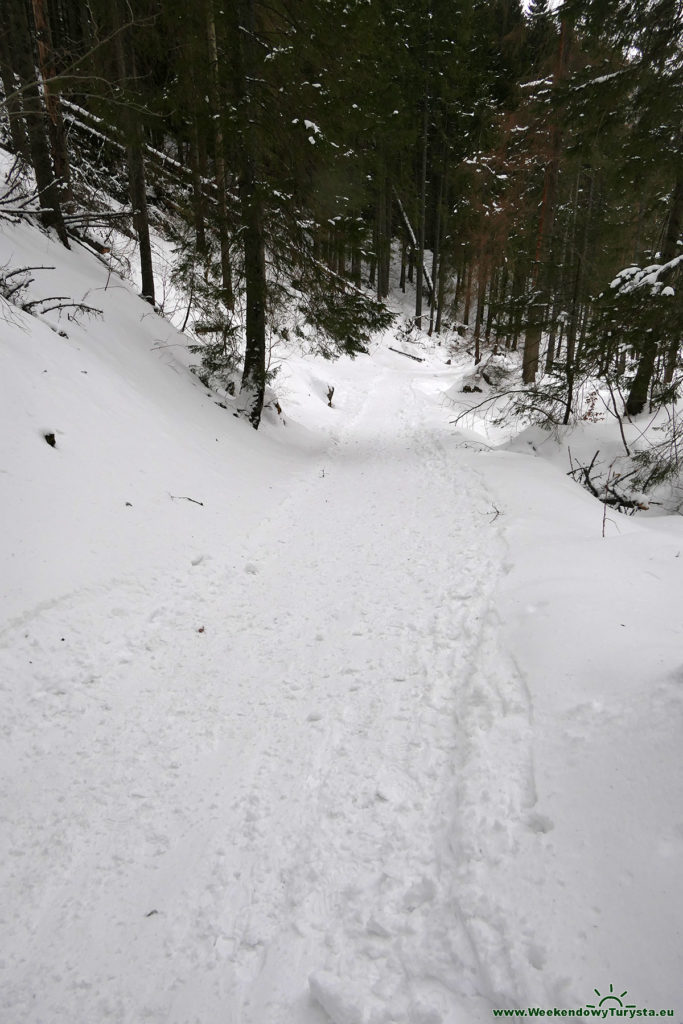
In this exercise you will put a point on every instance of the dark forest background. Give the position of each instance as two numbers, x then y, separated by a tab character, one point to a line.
520	171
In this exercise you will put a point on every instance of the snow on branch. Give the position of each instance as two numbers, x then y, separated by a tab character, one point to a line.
634	278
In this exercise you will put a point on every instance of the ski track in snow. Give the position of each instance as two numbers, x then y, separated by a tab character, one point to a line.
303	784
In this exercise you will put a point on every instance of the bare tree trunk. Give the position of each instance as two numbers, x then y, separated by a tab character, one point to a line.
673	233
11	89
356	265
198	205
34	116
460	280
539	278
138	195
52	103
481	299
532	342
414	245
388	225
380	232
570	358
253	385
340	232
383	235
423	210
137	186
571	346
468	293
493	287
252	390
436	252
219	156
441	287
516	299
500	297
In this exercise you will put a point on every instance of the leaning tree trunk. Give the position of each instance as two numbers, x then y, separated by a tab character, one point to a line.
34	116
54	109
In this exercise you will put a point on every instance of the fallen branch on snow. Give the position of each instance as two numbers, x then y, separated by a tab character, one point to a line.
183	497
608	495
408	355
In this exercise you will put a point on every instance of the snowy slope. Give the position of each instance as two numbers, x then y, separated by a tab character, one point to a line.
131	426
382	731
595	624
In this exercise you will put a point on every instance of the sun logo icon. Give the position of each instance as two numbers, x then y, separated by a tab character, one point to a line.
611	997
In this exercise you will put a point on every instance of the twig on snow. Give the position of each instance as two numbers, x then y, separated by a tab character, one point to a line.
183	497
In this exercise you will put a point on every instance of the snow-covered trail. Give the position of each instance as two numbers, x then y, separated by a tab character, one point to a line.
302	756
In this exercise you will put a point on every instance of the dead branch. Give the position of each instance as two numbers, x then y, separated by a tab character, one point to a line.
58	302
22	270
607	493
408	355
4	212
91	244
615	411
79	307
13	177
18	287
183	497
28	306
413	241
506	394
87	217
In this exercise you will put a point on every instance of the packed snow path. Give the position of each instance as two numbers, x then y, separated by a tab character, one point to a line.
302	758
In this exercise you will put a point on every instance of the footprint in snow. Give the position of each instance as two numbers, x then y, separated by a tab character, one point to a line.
540	823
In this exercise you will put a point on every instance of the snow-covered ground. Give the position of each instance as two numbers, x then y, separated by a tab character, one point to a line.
378	728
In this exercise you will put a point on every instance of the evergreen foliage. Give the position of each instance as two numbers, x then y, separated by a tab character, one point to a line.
517	160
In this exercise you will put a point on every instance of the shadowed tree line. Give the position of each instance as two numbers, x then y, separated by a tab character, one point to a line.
508	166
